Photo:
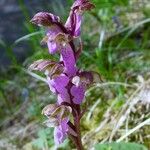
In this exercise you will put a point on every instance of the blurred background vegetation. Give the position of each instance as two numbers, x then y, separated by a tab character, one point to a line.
116	37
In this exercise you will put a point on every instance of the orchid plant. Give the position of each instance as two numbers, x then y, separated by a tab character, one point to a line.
64	78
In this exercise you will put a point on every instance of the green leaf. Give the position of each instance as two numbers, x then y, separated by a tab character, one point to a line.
120	146
28	36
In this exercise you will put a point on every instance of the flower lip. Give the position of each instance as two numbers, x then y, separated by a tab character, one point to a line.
45	19
78	93
60	132
62	38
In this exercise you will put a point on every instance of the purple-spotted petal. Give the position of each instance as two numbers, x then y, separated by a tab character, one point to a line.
78	93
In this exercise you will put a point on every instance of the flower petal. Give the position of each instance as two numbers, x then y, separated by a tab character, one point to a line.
59	137
60	132
42	65
89	77
58	85
52	44
51	122
63	97
52	47
82	5
73	23
78	93
45	19
62	112
49	109
67	56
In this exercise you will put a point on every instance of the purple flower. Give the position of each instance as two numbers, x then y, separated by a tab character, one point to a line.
80	83
60	132
63	97
73	23
78	93
68	58
58	85
53	45
53	26
56	111
45	19
56	114
60	42
64	79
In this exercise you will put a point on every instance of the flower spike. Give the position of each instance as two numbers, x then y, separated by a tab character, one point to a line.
64	78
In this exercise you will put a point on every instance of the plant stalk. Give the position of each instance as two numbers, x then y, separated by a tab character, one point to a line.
78	141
